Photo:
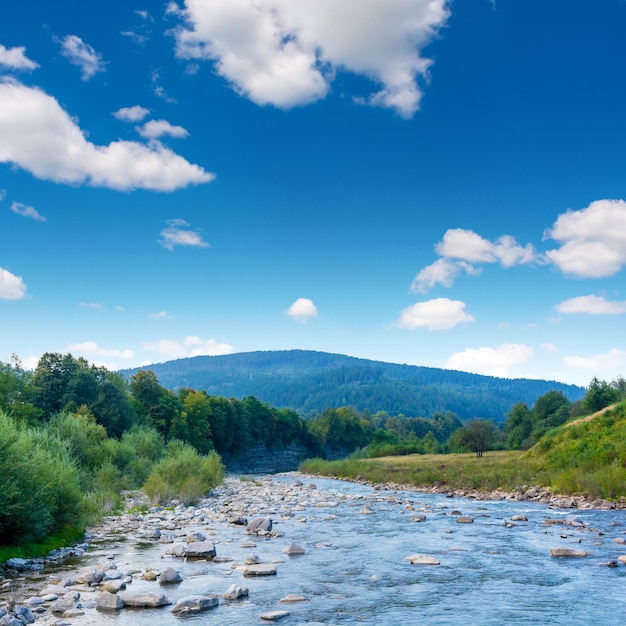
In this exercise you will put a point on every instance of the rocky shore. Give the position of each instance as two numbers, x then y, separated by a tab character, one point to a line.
212	543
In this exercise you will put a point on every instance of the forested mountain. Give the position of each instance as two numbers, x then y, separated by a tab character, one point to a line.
310	382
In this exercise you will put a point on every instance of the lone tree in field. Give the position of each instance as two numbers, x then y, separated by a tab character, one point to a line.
478	435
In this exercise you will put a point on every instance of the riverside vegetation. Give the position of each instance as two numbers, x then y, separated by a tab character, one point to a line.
74	437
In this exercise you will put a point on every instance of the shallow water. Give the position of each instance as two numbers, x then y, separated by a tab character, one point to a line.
354	570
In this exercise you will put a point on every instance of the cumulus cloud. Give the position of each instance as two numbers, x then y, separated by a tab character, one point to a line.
131	114
436	314
189	347
302	309
178	233
489	361
79	53
286	53
461	250
15	59
12	287
612	360
92	349
158	128
37	135
593	240
27	211
593	305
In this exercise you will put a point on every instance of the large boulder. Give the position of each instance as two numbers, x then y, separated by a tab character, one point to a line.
259	524
195	604
169	576
421	559
235	592
109	602
568	552
262	569
200	550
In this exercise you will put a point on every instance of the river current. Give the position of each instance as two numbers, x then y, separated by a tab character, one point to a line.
354	570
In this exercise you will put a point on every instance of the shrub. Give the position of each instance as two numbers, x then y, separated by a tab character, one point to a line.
184	474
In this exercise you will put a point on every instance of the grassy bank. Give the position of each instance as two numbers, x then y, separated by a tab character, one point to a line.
495	470
587	458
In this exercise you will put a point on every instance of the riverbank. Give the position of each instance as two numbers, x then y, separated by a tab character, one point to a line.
268	546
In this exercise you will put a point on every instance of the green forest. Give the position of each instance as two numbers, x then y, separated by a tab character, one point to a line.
75	436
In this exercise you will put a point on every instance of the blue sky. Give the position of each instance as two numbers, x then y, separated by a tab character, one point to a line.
414	181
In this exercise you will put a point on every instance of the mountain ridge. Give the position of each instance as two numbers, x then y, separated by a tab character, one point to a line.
310	381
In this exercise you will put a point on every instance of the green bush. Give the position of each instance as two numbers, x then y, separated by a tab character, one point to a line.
40	482
184	474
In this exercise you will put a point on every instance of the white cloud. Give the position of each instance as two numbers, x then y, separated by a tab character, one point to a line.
496	361
79	53
302	309
3	194
158	128
461	250
15	59
27	211
286	53
37	135
593	305
593	240
549	347
612	360
131	114
442	271
12	287
161	315
136	37
437	314
189	347
92	349
466	245
177	233
91	305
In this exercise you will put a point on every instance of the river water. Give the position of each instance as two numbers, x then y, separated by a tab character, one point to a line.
354	570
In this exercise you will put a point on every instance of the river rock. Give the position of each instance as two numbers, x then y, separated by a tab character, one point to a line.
147	599
519	518
293	597
62	605
464	519
252	559
272	616
259	524
234	592
293	549
419	517
195	604
567	552
200	550
574	520
261	569
169	576
421	559
113	586
24	614
109	602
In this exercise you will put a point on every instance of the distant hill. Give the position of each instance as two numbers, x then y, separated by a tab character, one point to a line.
310	382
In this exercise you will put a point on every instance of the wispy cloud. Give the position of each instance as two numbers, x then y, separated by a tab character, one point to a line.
161	315
607	361
79	53
191	346
302	310
437	314
592	305
490	361
27	211
15	59
12	287
91	305
92	349
178	233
